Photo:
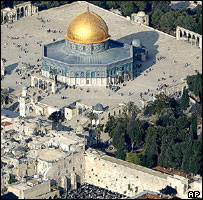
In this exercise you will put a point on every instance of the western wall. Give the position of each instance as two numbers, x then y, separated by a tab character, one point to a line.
128	178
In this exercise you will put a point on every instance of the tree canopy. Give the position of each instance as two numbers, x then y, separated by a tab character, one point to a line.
184	99
194	83
171	142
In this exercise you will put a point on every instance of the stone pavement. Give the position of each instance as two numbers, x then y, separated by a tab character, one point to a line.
32	33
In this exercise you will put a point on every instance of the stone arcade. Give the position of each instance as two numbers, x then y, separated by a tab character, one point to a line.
189	36
19	11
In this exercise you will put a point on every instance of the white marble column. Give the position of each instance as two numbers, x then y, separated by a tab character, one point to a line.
200	42
177	33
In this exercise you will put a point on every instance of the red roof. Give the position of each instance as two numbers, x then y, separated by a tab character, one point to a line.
149	196
5	123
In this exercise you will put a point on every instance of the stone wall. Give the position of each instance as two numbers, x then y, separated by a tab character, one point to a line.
15	191
64	167
37	190
127	178
120	176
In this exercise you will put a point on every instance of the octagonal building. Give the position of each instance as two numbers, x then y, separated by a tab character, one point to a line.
88	57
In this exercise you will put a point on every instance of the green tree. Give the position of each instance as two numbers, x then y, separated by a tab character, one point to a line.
110	125
194	83
141	5
155	19
133	157
182	122
153	140
197	10
167	21
184	99
149	160
4	96
193	120
197	157
136	132
98	131
186	21
166	117
199	111
177	155
11	180
113	4
199	26
130	110
91	116
128	7
164	6
101	4
162	101
118	140
120	153
186	164
2	5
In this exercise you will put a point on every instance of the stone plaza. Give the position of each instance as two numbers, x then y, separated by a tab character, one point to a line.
37	150
167	56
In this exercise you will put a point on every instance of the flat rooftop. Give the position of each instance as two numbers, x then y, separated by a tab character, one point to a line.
65	140
51	154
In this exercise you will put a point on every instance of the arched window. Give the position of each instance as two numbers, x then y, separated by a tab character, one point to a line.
22	12
98	74
87	74
93	74
82	74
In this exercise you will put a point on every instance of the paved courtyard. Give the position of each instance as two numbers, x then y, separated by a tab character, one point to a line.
32	33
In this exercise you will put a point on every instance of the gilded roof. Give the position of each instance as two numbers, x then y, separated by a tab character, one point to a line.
87	28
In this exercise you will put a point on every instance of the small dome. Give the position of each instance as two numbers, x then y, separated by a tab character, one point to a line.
141	14
99	107
136	43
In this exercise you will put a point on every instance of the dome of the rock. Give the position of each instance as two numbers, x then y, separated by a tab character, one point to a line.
87	28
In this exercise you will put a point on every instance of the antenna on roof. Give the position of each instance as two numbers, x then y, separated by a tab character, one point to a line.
87	7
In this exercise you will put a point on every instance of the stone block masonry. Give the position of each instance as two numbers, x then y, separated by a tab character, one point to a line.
127	178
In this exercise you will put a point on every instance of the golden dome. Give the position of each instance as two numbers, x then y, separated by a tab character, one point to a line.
87	28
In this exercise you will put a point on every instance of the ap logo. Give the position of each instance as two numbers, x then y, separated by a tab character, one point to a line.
193	194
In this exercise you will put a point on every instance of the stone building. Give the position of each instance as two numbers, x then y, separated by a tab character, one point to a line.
88	57
70	112
9	15
4	181
34	189
140	18
23	100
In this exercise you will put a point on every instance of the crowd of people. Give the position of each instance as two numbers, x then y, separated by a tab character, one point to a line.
87	191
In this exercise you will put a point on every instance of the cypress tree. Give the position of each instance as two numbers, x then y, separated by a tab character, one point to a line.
184	104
